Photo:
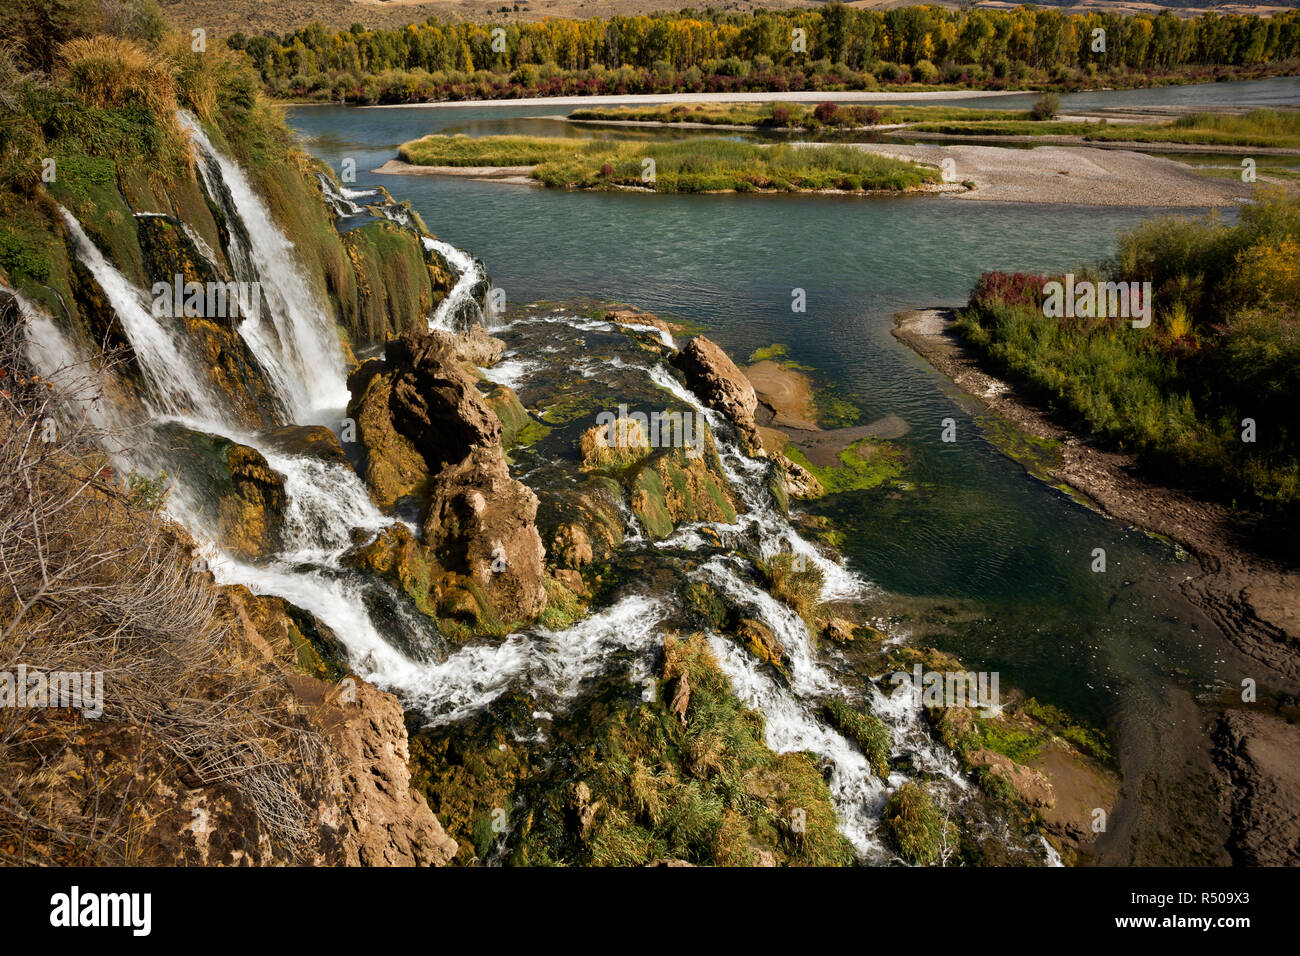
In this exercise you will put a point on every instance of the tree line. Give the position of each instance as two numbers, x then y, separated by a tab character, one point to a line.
924	44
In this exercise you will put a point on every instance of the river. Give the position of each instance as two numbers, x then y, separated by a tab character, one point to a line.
975	555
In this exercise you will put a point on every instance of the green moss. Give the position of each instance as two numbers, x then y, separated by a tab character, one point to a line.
518	428
919	829
393	288
1088	740
796	582
1019	743
563	607
999	788
701	787
1038	455
776	486
834	408
649	503
777	353
864	729
863	465
24	253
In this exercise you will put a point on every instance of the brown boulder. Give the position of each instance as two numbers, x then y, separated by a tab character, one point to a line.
799	481
839	630
249	519
480	521
716	380
312	441
572	546
435	402
422	402
1033	787
760	640
474	346
379	818
394	468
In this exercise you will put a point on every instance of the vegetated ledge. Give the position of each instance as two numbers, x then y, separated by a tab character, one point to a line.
701	166
1248	596
1251	597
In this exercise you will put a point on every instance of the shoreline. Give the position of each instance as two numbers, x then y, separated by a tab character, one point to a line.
1047	175
649	99
1072	175
520	175
985	139
1252	598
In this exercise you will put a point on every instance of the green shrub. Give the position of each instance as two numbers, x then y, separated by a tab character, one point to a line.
1046	107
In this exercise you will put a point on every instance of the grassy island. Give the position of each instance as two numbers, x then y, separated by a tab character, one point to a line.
705	165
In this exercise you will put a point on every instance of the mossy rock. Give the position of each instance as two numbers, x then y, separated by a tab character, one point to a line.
673	488
398	558
685	777
518	427
865	729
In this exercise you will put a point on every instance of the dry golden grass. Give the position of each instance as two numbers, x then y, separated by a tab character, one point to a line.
110	73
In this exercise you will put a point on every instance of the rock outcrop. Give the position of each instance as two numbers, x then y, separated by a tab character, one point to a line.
428	430
379	819
712	376
480	522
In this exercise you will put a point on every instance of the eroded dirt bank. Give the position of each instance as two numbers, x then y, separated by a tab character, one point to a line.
1236	759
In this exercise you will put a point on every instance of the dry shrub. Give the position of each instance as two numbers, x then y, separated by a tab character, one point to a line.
111	72
94	579
614	446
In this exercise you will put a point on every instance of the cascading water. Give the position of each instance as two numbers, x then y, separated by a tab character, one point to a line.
460	308
329	511
174	383
299	348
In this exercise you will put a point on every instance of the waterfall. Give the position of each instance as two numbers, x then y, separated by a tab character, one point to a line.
460	308
791	714
790	725
341	204
329	511
299	349
174	383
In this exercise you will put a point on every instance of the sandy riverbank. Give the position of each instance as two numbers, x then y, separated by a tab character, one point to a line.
1048	175
521	175
1139	145
1073	175
787	414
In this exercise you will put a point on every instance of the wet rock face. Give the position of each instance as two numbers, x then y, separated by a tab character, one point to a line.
480	522
394	467
428	430
167	252
712	376
435	402
313	441
251	518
